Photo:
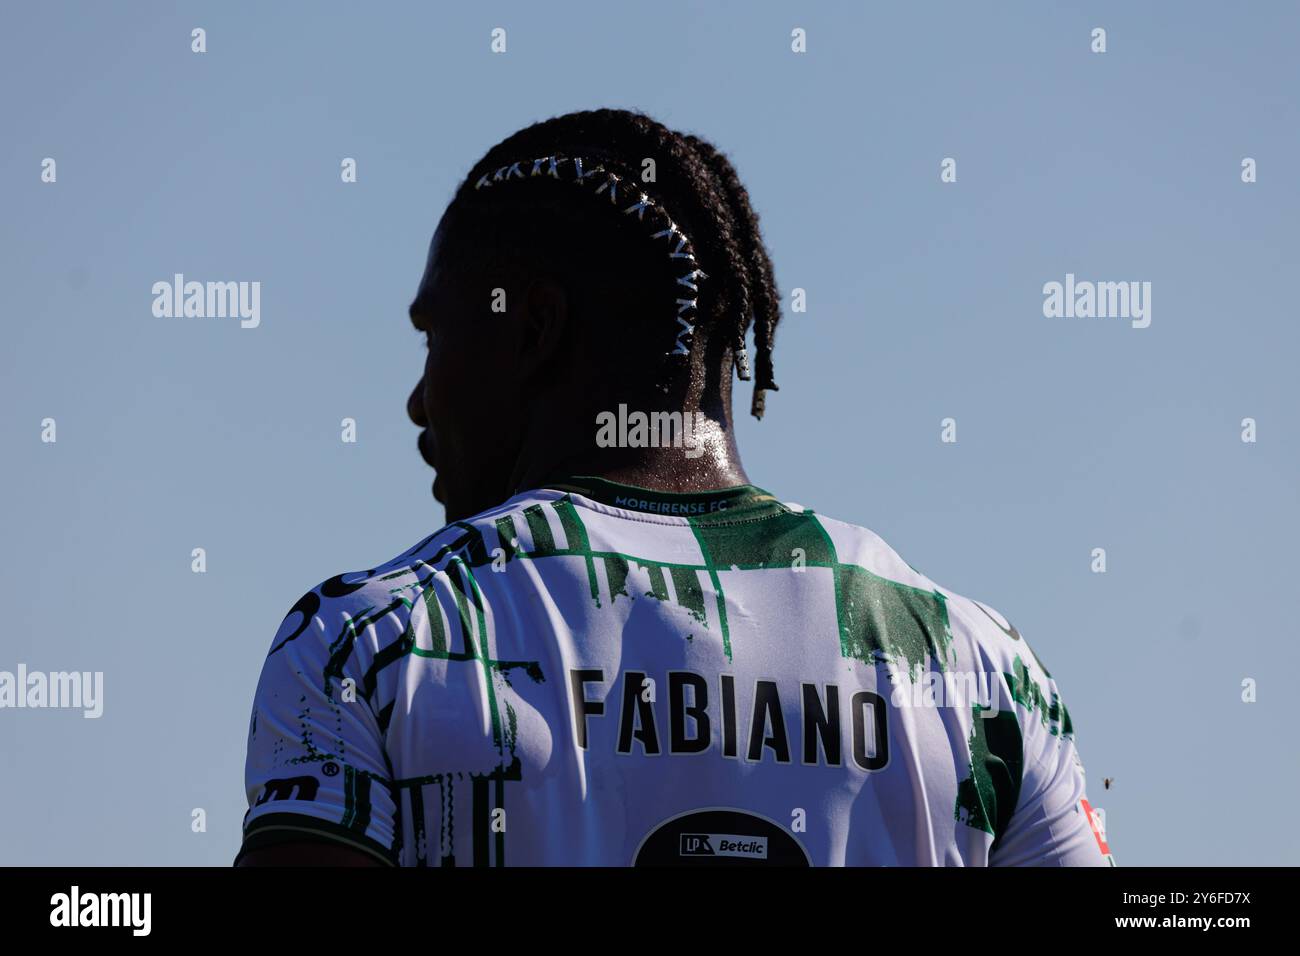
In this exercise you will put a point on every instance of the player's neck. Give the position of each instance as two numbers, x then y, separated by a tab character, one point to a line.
701	457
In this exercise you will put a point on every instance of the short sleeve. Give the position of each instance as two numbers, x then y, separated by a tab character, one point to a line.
1053	823
316	766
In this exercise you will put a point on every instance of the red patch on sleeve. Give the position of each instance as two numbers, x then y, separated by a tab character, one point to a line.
1097	830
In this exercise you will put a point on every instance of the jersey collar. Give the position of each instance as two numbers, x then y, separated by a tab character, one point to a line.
748	501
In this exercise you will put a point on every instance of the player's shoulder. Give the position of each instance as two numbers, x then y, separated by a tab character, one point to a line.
357	598
344	606
858	546
986	632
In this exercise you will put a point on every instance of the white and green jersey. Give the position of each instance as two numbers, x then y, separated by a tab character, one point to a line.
594	674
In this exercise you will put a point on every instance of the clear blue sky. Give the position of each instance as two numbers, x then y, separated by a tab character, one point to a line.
924	302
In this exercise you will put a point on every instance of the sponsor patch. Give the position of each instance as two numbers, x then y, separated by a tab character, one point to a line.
724	844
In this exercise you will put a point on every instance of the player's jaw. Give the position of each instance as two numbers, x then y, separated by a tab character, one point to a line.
441	487
470	469
425	445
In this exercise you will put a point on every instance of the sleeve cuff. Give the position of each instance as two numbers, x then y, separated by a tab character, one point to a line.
273	828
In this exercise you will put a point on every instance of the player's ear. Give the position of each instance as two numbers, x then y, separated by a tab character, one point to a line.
543	324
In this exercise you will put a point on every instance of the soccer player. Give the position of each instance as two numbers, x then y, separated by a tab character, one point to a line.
619	651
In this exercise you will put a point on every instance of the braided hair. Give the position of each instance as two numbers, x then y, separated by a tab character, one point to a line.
691	232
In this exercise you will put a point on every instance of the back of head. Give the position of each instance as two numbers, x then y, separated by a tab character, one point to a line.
652	237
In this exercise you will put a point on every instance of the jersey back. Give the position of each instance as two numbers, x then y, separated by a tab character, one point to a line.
594	674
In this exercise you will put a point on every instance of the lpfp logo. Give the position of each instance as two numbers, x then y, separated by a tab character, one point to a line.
724	844
696	844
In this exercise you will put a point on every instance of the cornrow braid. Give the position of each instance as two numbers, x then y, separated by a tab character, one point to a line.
696	202
759	281
661	226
